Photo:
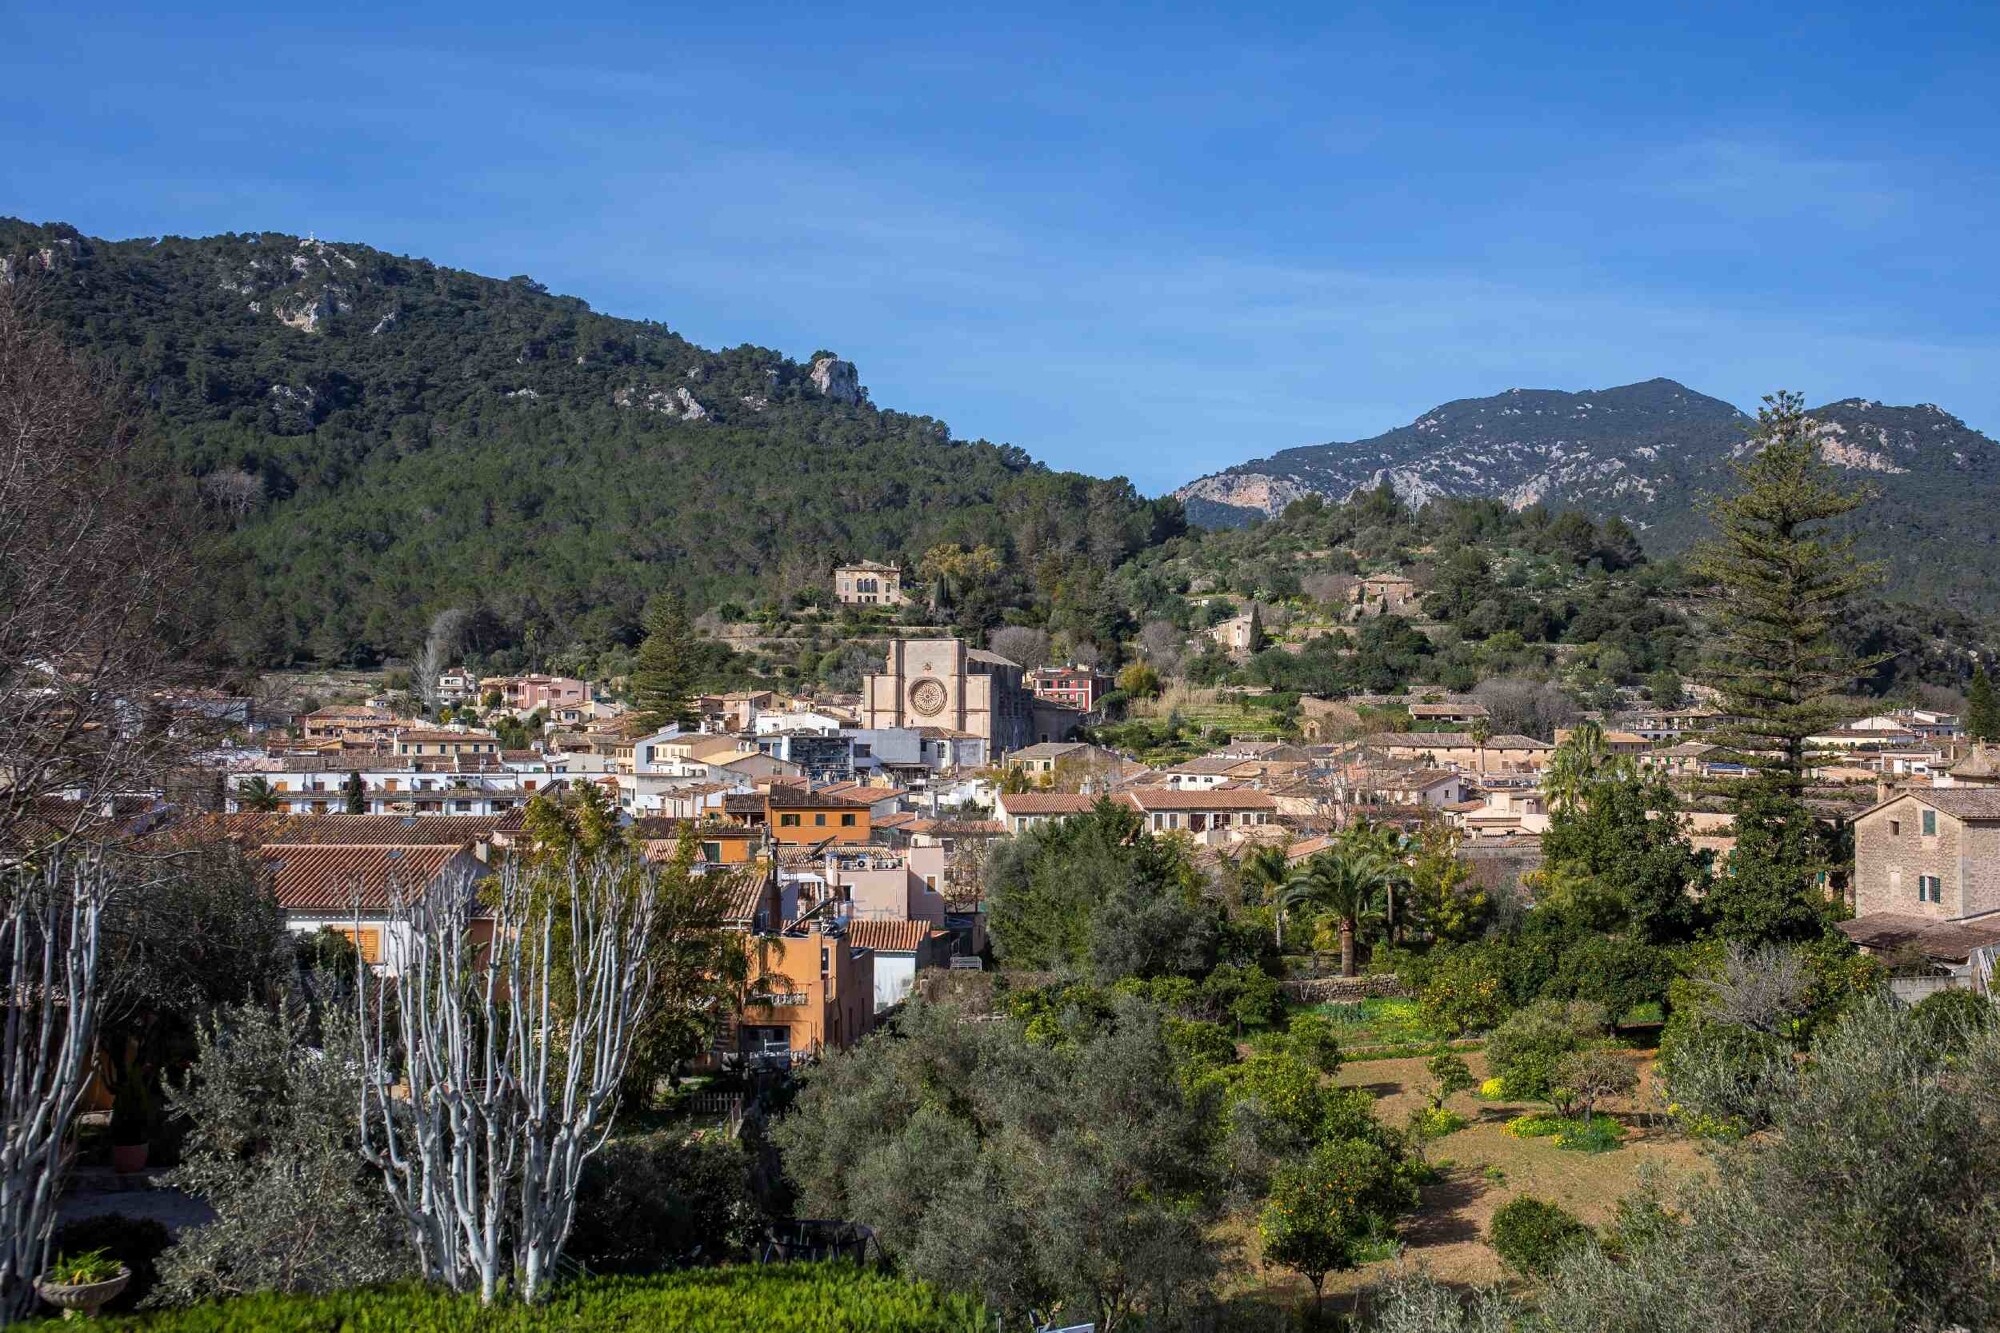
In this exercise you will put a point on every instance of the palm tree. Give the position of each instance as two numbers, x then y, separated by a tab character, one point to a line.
1347	881
1392	849
1572	767
257	794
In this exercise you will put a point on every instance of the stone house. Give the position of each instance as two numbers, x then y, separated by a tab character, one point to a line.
867	583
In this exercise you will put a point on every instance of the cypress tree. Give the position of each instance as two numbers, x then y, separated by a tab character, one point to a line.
663	677
357	795
1982	709
1254	639
1781	588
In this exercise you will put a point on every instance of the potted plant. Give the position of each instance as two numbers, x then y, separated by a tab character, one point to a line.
131	1123
80	1285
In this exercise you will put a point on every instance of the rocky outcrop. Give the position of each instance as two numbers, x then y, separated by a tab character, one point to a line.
308	312
678	403
836	379
1245	490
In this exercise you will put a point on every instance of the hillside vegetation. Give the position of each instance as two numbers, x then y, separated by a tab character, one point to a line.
388	438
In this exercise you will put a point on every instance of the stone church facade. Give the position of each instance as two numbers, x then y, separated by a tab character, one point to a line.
944	683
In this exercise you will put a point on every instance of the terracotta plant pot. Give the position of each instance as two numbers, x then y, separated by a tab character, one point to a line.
127	1158
84	1299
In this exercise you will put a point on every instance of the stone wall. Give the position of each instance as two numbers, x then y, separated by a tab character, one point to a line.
1341	990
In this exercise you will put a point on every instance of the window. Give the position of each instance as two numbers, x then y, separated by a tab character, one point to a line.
819	821
1930	823
788	821
368	943
1895	828
1930	889
711	852
847	821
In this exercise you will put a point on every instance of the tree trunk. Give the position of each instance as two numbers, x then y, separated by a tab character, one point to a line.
1346	948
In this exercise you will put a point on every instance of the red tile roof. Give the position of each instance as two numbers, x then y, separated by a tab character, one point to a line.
1221	798
892	936
254	829
315	878
1046	803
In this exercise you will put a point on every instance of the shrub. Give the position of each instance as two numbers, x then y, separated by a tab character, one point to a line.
792	1298
662	1201
1531	1235
1591	1134
136	1242
1528	1050
1311	1037
1462	992
1949	1019
1493	1089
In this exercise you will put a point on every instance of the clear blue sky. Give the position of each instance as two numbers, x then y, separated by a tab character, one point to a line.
1146	240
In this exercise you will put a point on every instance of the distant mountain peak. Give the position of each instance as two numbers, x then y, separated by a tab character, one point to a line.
1648	452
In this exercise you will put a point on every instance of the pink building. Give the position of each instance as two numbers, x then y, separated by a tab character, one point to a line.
525	694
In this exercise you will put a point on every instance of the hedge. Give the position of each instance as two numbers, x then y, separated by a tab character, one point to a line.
796	1298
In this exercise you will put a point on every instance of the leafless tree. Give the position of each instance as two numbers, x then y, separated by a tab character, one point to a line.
49	942
1022	644
1164	644
440	646
500	1077
1762	988
99	552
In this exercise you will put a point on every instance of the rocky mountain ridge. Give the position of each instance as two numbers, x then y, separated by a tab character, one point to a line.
1649	453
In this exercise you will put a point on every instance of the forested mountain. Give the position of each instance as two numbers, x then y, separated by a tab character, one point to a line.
388	438
1648	453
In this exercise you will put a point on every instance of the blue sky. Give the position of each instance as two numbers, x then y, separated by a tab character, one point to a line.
1143	241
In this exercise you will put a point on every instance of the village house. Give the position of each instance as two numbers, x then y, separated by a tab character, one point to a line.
1021	811
1077	687
1495	754
524	694
1209	815
432	742
350	726
474	785
352	889
1447	714
1384	595
1927	877
1233	634
901	949
810	990
866	583
795	815
455	685
1929	851
1673	724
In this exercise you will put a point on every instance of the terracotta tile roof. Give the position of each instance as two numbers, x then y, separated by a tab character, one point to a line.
900	819
1976	803
1046	803
656	826
1222	798
1453	740
310	877
254	829
744	803
791	798
892	936
1946	941
749	895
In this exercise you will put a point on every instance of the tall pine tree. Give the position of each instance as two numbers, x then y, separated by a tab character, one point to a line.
1982	709
1782	586
664	676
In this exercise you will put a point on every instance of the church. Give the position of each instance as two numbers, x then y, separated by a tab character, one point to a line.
944	683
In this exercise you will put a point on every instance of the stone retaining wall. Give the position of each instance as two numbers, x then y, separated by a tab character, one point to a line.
1341	990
